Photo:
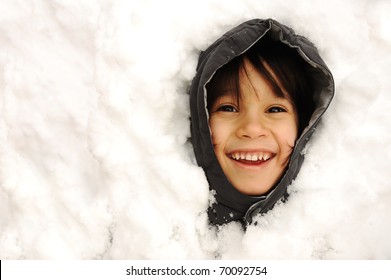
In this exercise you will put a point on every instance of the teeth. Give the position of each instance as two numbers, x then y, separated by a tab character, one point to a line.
251	157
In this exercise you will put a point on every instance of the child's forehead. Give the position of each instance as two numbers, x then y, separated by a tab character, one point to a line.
250	83
247	93
261	82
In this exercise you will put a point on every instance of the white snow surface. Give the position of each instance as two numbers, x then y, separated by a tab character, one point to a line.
94	122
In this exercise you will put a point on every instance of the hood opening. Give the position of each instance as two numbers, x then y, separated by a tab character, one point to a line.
230	204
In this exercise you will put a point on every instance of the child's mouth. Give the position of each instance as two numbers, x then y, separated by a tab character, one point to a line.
251	158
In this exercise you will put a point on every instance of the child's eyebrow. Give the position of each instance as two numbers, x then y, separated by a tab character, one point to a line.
226	93
285	95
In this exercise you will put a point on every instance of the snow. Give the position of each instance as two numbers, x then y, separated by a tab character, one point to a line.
94	159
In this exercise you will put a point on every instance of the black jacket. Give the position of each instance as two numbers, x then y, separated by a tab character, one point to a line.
229	204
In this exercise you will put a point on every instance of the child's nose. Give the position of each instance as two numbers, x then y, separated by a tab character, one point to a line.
252	126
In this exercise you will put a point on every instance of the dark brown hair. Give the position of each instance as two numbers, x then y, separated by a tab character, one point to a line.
286	64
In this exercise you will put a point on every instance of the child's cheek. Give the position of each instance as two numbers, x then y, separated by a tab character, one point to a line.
215	137
291	134
214	130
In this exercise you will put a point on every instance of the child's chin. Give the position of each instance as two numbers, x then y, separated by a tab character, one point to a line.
252	189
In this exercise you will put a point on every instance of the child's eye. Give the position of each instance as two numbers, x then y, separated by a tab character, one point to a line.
276	109
227	108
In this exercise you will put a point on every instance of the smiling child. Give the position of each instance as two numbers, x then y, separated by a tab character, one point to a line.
259	92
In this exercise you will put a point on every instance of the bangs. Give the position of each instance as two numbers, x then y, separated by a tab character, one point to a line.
281	66
259	64
225	82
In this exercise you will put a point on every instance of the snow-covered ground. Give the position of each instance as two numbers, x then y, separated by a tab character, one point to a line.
94	159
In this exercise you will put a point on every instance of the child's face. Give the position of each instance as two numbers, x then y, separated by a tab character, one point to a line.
253	140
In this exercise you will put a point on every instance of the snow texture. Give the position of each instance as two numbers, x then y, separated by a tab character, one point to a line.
94	123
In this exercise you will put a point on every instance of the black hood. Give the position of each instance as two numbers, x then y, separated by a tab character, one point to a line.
230	204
